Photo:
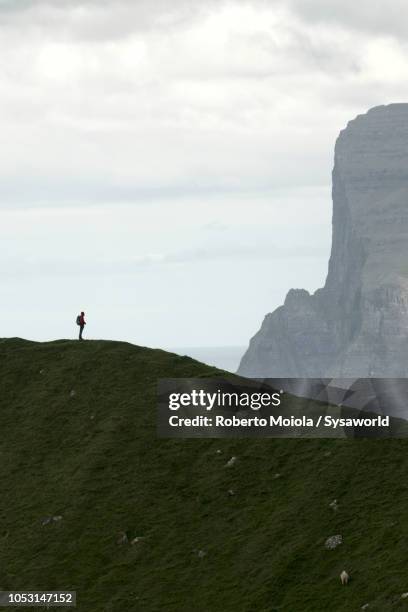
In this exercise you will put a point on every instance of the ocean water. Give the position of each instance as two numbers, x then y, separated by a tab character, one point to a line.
224	357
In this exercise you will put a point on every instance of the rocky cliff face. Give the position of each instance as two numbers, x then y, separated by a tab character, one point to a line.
357	325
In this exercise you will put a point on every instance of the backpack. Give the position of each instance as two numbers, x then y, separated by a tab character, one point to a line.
78	320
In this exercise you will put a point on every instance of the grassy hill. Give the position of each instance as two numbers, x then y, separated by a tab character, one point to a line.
78	441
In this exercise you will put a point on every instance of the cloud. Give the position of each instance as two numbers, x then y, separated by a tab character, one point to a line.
101	20
227	98
103	101
243	252
378	18
29	267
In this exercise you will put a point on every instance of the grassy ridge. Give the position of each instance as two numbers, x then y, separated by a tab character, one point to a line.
78	439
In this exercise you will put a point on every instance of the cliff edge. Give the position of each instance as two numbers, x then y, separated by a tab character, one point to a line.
357	324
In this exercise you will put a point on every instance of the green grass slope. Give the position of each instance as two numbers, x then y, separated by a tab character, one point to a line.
92	457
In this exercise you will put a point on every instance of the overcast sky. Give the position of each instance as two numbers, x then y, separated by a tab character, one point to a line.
166	164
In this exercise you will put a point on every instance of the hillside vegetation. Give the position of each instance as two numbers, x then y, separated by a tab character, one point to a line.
83	474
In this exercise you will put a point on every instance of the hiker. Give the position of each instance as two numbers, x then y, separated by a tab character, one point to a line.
81	322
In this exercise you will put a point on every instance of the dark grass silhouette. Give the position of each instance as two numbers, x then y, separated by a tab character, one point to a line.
92	457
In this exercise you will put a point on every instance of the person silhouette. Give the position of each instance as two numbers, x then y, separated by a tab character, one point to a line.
81	323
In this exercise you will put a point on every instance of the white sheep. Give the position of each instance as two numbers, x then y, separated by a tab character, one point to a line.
334	505
344	577
231	462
